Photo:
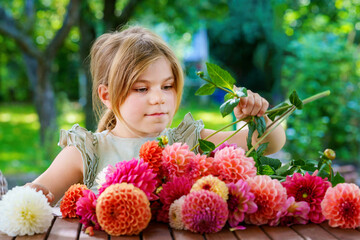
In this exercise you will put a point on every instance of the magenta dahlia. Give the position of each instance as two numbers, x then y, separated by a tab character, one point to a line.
241	201
136	172
86	210
204	212
310	189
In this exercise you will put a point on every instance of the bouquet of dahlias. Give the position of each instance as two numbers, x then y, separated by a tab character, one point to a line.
225	185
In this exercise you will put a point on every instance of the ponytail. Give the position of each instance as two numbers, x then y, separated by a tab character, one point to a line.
107	121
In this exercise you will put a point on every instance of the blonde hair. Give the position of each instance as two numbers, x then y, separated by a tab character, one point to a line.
117	61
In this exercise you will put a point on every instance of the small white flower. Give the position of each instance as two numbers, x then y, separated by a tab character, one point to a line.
100	178
24	211
175	216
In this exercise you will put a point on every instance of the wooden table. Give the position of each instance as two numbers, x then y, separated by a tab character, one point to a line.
71	229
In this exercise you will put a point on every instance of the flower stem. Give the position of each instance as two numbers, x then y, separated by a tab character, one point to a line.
231	135
316	96
278	122
229	125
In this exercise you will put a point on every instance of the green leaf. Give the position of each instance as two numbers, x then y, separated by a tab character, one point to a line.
273	162
337	179
252	128
309	167
261	149
265	170
295	100
220	76
241	92
260	125
228	96
274	114
206	146
227	107
283	169
206	89
299	162
324	171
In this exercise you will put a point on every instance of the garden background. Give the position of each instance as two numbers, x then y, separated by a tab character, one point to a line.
270	46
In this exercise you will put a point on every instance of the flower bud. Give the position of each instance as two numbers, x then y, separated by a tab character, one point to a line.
329	154
200	73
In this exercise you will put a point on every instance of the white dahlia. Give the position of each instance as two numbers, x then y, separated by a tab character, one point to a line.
24	211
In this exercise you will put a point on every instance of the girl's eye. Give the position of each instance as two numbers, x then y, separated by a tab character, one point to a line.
141	90
168	87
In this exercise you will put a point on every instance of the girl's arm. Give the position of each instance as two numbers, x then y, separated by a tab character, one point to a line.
253	105
65	170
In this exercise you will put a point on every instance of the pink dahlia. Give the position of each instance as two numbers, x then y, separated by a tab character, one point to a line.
341	206
310	189
172	190
292	213
240	201
179	161
270	196
204	212
86	209
223	145
230	165
136	172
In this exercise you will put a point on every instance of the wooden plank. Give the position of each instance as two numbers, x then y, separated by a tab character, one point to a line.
312	231
97	235
186	235
281	233
32	237
225	234
157	231
65	229
5	236
125	238
343	234
252	232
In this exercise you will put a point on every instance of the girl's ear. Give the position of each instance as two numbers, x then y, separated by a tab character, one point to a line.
104	95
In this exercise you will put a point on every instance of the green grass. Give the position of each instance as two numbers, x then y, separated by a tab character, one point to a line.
20	150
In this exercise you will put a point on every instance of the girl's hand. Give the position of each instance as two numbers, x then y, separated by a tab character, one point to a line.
38	187
252	105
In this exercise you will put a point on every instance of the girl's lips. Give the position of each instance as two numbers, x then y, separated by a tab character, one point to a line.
155	114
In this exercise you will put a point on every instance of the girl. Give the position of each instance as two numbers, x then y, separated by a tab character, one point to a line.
138	79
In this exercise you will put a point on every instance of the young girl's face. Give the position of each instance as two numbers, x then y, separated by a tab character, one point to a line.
150	105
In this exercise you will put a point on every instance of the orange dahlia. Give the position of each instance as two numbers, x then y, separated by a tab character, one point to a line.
270	197
341	205
123	209
71	196
151	153
230	165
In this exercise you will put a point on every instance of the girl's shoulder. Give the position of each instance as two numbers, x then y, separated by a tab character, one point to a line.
188	131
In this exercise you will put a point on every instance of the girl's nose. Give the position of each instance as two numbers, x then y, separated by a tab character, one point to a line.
157	97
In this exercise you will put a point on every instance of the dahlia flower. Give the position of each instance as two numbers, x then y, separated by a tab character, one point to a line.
310	189
241	201
123	209
172	190
230	165
292	213
178	161
212	184
136	172
175	215
101	177
204	212
24	211
151	153
71	196
223	145
270	196
341	205
86	210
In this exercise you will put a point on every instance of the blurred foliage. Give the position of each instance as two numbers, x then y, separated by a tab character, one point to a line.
320	62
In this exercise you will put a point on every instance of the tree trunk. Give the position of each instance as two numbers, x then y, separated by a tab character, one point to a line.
87	33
